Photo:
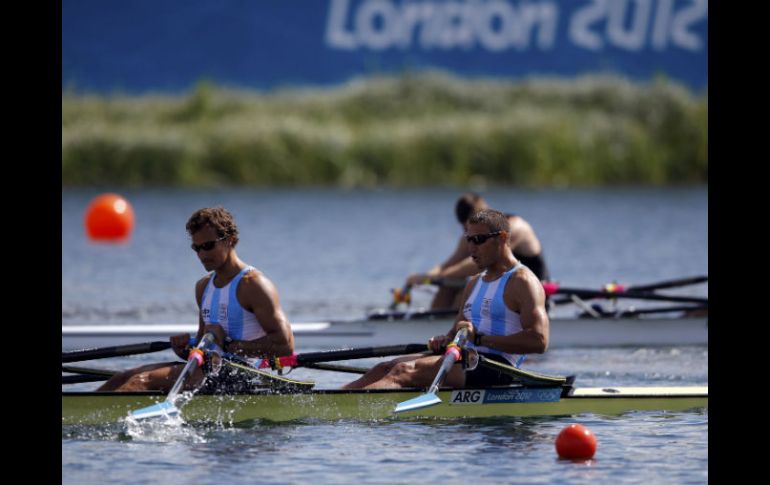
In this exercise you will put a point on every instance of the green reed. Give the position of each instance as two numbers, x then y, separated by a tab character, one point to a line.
408	130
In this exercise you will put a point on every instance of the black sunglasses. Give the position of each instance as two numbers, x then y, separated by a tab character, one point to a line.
480	239
207	246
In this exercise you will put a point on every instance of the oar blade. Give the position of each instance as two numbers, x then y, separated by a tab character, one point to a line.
419	402
163	409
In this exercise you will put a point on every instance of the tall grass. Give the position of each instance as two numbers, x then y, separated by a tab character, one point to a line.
428	129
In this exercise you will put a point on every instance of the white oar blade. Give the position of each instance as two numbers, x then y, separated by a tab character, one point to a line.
163	409
419	402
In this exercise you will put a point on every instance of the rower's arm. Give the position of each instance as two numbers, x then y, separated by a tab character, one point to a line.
462	269
525	293
258	294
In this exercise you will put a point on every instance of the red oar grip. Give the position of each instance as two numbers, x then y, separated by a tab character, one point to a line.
277	363
196	354
550	288
454	350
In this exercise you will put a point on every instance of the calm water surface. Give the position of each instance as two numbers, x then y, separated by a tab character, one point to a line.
336	254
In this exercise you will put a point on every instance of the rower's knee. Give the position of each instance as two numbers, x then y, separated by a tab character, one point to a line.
401	370
136	382
382	368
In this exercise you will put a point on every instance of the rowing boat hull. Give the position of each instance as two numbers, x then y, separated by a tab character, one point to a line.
565	332
91	408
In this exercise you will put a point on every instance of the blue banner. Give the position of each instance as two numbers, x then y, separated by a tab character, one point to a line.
144	45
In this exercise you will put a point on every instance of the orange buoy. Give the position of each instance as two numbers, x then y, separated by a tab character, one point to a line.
109	217
576	442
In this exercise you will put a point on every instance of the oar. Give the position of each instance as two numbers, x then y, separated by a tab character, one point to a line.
168	407
634	312
430	398
80	378
555	288
641	311
85	374
694	280
116	351
88	370
338	368
302	360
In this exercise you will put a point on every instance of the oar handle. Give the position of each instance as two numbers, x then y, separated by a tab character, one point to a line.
451	355
194	359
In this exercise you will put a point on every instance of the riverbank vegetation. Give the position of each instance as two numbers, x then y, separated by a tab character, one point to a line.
410	130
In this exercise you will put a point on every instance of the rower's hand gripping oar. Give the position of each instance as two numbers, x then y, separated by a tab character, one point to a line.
168	407
430	398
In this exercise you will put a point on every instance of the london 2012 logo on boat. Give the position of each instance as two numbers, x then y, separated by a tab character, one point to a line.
517	395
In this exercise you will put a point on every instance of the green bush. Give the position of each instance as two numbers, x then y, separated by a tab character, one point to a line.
428	129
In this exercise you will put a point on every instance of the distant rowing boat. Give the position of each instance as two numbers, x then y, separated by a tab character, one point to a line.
92	408
565	332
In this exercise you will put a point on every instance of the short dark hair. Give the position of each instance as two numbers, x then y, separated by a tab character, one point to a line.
217	218
467	204
494	220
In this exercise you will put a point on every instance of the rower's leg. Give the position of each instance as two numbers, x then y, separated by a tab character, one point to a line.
418	373
151	377
378	372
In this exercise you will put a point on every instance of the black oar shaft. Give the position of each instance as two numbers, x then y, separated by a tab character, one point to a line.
694	280
359	353
338	368
77	379
88	370
116	351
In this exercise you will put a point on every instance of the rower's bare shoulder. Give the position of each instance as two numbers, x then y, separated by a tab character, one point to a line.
525	281
518	224
256	283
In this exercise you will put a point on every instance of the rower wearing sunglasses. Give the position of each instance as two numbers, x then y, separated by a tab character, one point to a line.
452	274
237	303
503	312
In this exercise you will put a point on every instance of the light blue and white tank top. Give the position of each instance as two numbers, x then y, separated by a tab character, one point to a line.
489	314
220	306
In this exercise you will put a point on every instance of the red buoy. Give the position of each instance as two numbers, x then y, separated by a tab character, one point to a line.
109	217
576	442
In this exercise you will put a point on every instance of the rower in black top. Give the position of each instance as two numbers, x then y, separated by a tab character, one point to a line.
522	240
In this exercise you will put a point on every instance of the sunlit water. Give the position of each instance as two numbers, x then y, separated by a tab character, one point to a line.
336	254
